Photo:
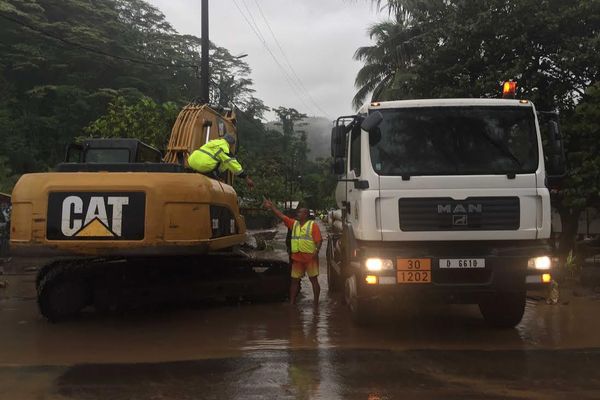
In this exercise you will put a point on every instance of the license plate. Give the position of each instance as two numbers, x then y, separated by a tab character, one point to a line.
413	270
462	263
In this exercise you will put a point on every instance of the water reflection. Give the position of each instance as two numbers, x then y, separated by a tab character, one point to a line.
223	331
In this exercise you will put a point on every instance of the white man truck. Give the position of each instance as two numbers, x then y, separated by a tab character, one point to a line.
444	199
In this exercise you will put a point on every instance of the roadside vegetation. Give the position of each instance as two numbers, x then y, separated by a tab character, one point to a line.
117	68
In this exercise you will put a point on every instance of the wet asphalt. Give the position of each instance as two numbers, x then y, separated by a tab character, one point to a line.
276	351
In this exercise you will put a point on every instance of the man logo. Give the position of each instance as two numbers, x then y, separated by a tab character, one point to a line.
459	208
460	212
96	216
459	220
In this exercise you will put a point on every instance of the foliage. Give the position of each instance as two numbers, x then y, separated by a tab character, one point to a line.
289	118
319	185
7	180
572	265
582	137
144	120
460	48
63	63
277	161
117	68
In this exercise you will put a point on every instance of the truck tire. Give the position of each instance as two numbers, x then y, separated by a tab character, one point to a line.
503	310
333	278
361	310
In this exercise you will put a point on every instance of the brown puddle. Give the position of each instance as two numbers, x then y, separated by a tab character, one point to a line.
225	331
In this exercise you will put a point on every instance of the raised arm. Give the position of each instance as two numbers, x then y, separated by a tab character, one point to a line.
269	204
233	165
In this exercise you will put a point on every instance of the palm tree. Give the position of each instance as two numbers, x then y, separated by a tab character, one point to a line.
388	63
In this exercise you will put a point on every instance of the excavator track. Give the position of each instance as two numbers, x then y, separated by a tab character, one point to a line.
66	287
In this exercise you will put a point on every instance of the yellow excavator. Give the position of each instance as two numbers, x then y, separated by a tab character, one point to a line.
135	226
117	197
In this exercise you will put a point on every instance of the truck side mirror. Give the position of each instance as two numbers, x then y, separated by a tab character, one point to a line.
339	166
338	141
372	121
556	165
556	157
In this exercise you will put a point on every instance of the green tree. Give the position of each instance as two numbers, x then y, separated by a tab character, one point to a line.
63	63
144	120
289	118
465	49
295	149
117	68
582	186
318	185
7	179
386	72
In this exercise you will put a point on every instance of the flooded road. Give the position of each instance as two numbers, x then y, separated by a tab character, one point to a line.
275	350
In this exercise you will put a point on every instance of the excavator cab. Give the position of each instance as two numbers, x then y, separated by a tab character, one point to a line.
115	155
112	151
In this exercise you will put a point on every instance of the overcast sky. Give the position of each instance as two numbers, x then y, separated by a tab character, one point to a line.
319	38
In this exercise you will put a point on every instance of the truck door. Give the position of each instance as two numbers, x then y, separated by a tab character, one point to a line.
354	172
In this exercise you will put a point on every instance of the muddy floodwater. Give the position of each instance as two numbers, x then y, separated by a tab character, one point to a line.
273	350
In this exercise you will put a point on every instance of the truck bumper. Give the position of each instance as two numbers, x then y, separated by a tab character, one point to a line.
507	269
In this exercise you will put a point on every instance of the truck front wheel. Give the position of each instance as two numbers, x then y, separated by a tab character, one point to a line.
503	310
361	309
333	278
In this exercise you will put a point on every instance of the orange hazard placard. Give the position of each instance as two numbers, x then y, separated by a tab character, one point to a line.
413	270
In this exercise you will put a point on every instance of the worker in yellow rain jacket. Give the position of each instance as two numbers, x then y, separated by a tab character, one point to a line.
215	155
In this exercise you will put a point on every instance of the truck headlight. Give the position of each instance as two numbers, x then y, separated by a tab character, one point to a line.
540	263
379	264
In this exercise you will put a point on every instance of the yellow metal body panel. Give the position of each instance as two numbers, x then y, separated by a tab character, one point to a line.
177	214
22	221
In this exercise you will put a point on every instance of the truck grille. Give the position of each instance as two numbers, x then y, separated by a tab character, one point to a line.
471	214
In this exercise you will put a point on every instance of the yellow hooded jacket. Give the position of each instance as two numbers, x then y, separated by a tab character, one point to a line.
213	155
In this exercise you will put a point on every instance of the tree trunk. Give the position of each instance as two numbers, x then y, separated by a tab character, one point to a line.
569	218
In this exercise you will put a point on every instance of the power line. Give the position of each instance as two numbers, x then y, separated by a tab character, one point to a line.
263	41
287	60
265	45
91	49
262	37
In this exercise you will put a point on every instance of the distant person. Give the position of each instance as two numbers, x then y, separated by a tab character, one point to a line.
305	246
215	156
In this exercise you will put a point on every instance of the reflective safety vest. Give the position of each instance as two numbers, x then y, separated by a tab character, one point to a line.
214	154
302	240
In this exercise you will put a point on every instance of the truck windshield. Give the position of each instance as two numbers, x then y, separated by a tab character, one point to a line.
455	141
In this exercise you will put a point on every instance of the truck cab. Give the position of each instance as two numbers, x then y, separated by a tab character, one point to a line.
442	199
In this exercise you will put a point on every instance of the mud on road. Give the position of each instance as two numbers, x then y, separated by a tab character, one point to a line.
274	350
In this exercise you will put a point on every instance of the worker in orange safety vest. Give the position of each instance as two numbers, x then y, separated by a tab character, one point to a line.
305	245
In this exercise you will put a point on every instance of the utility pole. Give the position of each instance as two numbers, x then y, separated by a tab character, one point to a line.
204	65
